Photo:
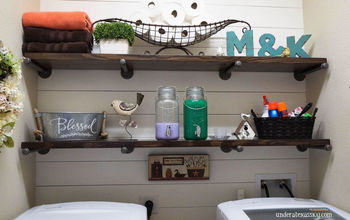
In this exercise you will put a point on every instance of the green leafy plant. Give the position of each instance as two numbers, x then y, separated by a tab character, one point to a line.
6	132
11	96
114	30
7	62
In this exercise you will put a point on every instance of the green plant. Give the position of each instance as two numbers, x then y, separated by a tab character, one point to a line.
114	30
11	96
7	62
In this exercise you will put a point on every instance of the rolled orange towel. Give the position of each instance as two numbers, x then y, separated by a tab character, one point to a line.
58	20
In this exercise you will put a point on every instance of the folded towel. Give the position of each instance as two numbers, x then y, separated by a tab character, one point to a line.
72	47
58	20
43	35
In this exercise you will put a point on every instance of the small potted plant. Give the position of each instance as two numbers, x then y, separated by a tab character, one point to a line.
114	37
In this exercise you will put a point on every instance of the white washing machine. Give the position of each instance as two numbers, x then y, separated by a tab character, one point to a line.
86	211
279	208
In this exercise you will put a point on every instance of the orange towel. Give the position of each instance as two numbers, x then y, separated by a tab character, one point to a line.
58	20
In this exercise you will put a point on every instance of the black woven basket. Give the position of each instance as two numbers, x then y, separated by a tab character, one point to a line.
285	128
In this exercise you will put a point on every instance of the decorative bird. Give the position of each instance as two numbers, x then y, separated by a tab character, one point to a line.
126	108
178	174
285	52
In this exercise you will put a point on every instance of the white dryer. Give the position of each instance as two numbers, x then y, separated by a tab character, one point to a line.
279	208
86	211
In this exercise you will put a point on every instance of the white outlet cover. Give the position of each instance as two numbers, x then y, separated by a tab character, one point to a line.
154	198
240	194
274	176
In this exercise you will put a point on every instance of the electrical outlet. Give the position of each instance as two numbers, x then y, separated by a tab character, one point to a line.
273	183
240	194
153	198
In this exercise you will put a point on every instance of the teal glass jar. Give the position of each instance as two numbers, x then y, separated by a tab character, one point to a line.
195	114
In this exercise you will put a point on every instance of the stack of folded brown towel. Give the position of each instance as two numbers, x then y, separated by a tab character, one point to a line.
57	32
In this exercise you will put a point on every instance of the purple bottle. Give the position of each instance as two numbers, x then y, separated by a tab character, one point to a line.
167	114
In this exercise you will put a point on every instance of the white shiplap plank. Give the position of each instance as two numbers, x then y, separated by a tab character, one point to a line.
218	102
258	3
146	125
254	3
219	39
151	80
257	16
211	51
135	172
188	195
188	213
185	213
251	153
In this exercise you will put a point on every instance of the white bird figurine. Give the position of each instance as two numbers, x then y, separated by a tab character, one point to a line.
126	108
220	51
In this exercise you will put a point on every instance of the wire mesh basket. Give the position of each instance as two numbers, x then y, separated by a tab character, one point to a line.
176	36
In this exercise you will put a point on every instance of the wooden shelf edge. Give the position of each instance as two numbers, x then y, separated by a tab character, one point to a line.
87	57
129	145
127	63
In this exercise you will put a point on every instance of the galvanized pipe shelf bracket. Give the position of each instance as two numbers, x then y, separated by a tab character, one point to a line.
126	70
42	72
127	149
300	76
27	151
303	148
228	149
226	73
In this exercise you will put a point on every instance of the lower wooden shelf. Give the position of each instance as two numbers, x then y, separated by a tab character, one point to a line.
127	146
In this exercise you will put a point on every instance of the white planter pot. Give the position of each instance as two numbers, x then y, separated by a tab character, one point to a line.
114	46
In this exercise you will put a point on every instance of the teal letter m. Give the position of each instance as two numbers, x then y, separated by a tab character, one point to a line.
246	41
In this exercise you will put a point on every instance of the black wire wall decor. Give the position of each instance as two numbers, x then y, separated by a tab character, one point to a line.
176	36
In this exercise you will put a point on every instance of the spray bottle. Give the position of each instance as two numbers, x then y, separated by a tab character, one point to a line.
266	108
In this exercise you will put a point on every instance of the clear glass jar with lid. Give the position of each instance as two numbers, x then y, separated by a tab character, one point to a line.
167	114
195	114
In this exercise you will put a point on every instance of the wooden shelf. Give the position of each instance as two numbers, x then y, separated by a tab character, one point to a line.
127	146
44	62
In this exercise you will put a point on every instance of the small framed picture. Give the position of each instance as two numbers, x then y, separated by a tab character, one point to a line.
178	167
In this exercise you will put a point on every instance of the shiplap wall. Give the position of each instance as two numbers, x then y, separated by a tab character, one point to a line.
96	174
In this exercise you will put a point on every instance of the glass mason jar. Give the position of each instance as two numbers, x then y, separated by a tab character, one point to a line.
195	114
167	114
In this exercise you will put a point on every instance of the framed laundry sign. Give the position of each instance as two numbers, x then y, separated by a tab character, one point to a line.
178	167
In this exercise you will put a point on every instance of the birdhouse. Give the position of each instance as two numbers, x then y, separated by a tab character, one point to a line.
244	131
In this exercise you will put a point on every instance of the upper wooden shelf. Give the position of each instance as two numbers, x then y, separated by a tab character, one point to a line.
127	146
44	62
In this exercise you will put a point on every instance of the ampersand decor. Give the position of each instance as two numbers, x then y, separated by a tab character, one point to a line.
267	41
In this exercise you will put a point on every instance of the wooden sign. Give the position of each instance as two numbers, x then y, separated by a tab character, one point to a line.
267	45
178	167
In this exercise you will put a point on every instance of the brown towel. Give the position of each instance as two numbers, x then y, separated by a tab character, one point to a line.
71	47
43	35
75	20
